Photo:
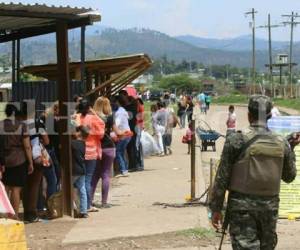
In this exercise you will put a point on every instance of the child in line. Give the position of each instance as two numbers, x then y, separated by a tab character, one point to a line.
79	169
231	121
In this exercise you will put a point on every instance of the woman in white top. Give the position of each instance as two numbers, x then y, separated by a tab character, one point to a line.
121	120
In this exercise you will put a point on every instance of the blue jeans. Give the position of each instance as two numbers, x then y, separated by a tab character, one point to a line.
51	179
50	175
120	155
79	184
139	150
90	166
56	166
182	119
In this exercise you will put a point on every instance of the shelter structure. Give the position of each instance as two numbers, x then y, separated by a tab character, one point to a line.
18	21
104	77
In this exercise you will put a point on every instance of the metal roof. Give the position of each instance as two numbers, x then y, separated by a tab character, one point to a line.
20	21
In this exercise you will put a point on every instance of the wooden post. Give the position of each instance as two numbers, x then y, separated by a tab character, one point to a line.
82	54
193	162
63	83
89	83
13	62
211	164
18	60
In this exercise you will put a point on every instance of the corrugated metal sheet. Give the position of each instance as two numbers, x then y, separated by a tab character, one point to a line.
18	22
42	91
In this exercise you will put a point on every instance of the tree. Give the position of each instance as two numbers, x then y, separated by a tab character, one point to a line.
182	83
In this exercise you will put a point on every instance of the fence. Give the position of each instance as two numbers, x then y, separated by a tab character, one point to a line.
42	91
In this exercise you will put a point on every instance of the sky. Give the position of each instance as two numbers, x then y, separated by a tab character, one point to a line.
205	18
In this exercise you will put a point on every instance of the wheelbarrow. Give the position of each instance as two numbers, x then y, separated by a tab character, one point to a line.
207	136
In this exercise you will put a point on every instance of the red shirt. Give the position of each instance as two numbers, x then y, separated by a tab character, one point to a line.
140	116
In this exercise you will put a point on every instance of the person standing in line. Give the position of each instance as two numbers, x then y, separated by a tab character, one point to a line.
231	120
253	162
93	151
138	131
130	104
122	124
38	137
79	169
15	155
103	170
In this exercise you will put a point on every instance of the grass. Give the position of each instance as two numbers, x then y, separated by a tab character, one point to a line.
230	99
288	103
243	99
199	233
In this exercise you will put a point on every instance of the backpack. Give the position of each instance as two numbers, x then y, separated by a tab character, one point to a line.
258	170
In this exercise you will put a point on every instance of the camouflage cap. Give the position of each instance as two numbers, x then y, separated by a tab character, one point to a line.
260	103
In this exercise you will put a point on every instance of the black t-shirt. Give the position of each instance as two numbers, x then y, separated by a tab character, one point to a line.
132	109
181	109
107	141
78	161
191	107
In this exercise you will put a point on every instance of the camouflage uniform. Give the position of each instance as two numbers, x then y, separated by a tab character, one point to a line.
252	218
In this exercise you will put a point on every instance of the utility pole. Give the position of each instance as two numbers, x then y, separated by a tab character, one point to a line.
292	23
252	13
269	27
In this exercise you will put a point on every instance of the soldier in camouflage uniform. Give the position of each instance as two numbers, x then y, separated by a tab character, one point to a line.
252	218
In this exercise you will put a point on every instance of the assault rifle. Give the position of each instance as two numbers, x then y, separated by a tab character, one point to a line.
225	224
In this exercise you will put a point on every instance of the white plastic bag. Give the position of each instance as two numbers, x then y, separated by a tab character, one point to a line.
148	144
5	206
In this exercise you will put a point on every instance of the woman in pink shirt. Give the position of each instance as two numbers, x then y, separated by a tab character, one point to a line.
96	127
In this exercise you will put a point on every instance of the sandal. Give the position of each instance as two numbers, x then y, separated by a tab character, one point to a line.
93	209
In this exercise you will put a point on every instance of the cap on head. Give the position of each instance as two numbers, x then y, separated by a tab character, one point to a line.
260	107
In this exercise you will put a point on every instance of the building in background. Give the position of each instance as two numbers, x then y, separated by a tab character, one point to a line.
5	92
143	82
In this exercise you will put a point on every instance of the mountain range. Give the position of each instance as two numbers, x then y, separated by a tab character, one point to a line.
104	41
241	43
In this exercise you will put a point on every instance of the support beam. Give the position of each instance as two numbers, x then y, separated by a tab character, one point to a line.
114	78
82	54
63	83
193	162
13	62
116	88
18	59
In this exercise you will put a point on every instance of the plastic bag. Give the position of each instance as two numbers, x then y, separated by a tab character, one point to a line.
148	144
5	206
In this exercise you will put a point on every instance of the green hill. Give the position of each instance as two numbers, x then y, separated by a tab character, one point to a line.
112	42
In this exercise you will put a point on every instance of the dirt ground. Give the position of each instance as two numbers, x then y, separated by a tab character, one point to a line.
134	223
